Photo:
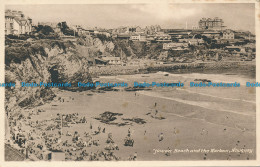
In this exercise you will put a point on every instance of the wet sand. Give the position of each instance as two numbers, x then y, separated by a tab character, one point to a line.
195	118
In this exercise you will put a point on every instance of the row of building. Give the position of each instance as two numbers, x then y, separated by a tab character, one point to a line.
16	23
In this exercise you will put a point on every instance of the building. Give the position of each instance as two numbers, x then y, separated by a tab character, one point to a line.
195	27
112	60
134	29
56	155
102	33
228	34
122	36
78	29
138	38
16	23
162	37
175	46
233	48
120	30
135	37
211	34
128	30
192	41
211	24
178	33
150	30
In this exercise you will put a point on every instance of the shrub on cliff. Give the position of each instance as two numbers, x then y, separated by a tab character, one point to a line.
137	49
103	37
19	37
17	54
66	30
46	30
37	49
50	36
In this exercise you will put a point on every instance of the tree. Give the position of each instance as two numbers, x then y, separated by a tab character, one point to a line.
46	30
198	36
65	29
206	39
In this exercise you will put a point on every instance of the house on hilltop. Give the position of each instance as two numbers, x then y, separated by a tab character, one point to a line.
228	34
113	60
16	23
211	24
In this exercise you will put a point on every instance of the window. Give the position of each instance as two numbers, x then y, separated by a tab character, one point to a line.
12	25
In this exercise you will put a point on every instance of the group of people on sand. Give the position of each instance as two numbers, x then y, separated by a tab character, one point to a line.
47	135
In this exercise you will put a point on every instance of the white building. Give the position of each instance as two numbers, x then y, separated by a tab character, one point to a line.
113	60
16	23
228	34
56	155
138	37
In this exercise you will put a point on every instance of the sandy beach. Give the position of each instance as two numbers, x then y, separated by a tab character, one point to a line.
188	119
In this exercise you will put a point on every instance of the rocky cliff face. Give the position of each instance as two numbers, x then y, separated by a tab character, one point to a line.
122	48
57	62
60	61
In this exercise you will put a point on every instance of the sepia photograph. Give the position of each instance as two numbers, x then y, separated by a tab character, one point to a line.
130	82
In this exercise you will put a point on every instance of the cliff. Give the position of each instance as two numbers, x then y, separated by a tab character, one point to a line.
58	61
41	61
62	61
123	48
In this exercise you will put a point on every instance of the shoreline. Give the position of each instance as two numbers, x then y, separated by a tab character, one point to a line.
180	119
218	67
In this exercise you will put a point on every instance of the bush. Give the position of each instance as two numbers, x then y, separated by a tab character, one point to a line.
103	37
17	54
46	30
19	37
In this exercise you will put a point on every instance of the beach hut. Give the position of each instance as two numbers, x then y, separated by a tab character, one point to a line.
56	155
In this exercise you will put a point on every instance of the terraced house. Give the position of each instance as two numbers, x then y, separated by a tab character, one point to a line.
16	23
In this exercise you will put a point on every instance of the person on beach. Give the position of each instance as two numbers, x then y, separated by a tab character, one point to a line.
135	156
129	132
175	131
203	132
205	156
168	152
229	157
161	137
109	138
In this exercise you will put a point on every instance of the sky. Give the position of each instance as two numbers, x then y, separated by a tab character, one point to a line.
237	16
